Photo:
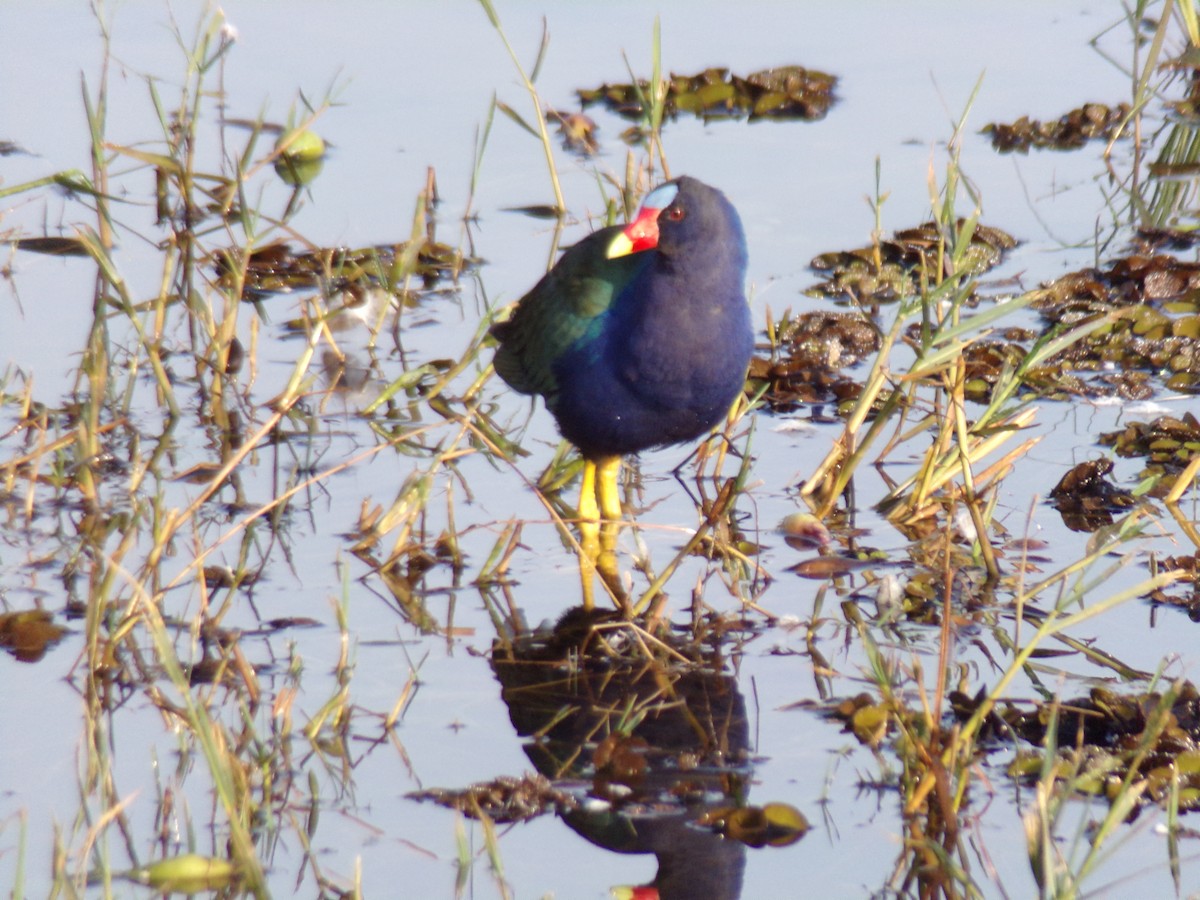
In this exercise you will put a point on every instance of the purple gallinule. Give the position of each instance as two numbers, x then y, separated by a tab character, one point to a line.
639	336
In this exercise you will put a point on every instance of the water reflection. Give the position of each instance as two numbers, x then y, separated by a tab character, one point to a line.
644	745
640	737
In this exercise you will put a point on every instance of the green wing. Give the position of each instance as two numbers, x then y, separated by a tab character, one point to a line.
561	309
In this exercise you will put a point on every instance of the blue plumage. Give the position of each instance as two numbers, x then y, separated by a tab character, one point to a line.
635	348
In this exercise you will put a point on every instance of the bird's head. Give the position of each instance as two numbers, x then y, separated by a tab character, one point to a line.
642	233
682	219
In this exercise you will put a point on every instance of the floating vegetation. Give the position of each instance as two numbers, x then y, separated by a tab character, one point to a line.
578	133
1087	498
192	500
1168	445
808	350
1092	121
1152	307
1149	240
1108	740
1130	280
1127	345
278	268
1105	738
864	717
28	634
783	93
1058	378
898	268
1185	593
772	825
504	799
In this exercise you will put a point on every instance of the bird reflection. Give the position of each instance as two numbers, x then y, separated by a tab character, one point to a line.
642	747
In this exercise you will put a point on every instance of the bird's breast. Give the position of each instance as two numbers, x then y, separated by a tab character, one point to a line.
687	351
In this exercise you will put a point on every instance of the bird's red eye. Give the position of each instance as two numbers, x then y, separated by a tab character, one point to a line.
675	213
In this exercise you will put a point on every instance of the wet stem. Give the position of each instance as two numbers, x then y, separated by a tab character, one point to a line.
125	602
938	761
113	627
542	133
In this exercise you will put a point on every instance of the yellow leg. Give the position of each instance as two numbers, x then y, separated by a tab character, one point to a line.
599	557
588	511
607	472
590	543
598	495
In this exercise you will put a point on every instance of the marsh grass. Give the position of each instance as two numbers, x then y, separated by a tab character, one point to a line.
159	563
139	355
129	529
966	458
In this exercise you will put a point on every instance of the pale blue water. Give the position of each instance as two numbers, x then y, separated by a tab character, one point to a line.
413	84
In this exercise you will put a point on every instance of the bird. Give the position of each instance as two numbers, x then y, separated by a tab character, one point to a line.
639	336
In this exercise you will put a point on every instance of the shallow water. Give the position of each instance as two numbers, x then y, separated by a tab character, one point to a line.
413	87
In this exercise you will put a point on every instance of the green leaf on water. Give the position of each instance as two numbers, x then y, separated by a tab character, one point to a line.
189	873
